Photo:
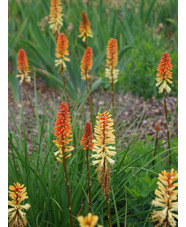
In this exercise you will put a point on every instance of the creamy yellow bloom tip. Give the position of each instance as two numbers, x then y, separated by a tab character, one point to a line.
88	221
166	199
55	21
16	217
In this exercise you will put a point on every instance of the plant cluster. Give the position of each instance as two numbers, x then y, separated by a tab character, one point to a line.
99	138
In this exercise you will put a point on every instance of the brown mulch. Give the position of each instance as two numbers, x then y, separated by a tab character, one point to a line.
126	105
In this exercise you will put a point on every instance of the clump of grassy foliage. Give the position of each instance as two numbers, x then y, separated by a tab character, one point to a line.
135	24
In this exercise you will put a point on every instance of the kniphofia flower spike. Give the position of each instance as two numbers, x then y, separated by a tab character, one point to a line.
62	51
22	66
88	221
104	147
84	28
86	64
55	21
166	199
87	137
16	215
112	61
63	131
164	73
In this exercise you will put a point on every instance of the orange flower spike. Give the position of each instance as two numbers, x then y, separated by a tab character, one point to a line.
55	21
16	216
112	60
22	66
164	73
63	131
86	64
62	50
87	137
84	28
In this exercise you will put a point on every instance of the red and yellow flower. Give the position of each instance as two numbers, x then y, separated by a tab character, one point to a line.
62	51
86	64
87	137
104	147
112	60
63	131
16	215
55	21
164	73
22	66
84	28
166	199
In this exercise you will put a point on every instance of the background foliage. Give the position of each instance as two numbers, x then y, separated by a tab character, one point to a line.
144	30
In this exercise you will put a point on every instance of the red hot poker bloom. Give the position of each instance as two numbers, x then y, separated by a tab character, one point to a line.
63	131
112	60
62	50
16	216
22	66
84	28
164	74
87	137
56	21
86	64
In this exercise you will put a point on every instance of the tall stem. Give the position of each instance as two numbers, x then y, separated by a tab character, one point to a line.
108	209
156	144
29	98
168	135
89	185
68	189
56	36
86	42
65	86
113	112
90	104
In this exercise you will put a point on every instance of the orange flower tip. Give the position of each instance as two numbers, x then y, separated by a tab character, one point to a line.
112	61
55	21
62	50
22	66
87	137
84	28
63	131
164	74
86	64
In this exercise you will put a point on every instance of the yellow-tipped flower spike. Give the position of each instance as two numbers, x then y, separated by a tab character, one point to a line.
112	61
62	51
55	21
63	131
15	214
104	147
84	28
22	66
88	221
166	199
164	74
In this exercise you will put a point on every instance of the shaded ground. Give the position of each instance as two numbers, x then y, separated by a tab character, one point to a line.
126	105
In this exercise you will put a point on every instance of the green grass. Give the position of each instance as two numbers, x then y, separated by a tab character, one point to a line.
134	24
133	179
